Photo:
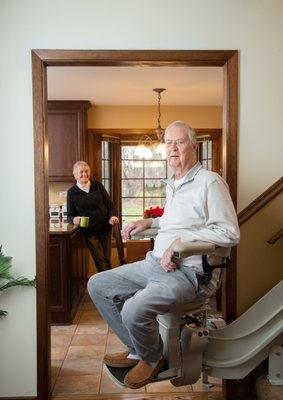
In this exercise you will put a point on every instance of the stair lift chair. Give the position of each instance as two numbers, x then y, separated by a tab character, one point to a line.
184	335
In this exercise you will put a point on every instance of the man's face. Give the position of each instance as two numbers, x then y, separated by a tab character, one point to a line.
180	152
82	175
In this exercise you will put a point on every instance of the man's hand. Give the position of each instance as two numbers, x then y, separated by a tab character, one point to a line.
76	220
166	261
114	220
136	226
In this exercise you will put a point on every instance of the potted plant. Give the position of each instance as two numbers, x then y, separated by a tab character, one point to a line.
7	280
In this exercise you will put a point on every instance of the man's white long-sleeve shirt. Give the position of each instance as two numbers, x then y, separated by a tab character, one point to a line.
200	209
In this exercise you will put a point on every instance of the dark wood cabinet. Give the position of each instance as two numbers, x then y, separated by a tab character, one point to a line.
67	137
68	275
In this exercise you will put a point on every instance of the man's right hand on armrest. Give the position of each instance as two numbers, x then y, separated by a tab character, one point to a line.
135	227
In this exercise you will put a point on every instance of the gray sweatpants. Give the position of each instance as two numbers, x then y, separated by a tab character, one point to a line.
130	297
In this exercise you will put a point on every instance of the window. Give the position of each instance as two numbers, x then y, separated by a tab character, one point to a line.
205	153
134	184
141	182
105	161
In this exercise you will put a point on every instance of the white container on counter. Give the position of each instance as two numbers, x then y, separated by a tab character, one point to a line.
54	211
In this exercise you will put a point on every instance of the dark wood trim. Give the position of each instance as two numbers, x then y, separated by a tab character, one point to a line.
261	201
155	58
132	133
43	58
116	174
39	79
69	104
229	165
278	235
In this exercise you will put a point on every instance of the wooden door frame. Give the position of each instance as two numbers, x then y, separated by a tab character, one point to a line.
228	59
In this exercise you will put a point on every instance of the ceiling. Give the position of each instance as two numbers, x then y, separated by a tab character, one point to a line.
133	85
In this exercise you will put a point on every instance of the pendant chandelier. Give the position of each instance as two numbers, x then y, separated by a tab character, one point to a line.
146	144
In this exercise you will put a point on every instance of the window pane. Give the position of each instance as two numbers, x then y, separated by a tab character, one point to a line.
210	165
103	149
106	184
209	150
132	188
154	187
204	164
204	149
132	169
128	152
132	207
106	150
107	169
126	220
153	202
155	169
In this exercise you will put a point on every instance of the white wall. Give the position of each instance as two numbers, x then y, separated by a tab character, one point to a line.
252	26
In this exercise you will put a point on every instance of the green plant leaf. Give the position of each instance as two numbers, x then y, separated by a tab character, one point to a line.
8	280
17	282
3	313
5	265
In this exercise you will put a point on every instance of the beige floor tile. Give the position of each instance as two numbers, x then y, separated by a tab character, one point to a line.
83	384
55	369
63	329
86	340
166	386
92	329
87	306
95	352
107	385
78	316
217	385
90	318
114	344
81	366
61	340
58	353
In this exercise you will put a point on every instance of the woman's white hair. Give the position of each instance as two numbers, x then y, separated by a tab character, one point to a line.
189	130
79	164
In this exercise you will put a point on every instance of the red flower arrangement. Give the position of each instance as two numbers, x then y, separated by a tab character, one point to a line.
153	212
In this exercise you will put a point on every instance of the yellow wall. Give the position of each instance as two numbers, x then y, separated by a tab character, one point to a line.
260	265
146	116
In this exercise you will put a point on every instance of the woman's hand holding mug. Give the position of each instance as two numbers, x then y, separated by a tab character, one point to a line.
76	220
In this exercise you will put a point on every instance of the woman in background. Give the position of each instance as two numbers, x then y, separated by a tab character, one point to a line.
90	199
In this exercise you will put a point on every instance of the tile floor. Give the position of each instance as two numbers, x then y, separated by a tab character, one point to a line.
77	352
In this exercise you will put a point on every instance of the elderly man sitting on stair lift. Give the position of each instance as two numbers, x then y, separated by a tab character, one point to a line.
198	208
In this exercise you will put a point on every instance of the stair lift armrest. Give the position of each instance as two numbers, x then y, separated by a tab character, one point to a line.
205	249
149	233
187	249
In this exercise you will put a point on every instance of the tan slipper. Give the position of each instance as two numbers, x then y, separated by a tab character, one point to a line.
142	374
119	360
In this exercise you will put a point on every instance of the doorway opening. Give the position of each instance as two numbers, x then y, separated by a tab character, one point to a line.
43	58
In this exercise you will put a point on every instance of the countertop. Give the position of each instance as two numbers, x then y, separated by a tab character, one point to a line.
59	226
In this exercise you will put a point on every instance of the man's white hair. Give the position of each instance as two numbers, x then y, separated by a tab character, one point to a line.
189	130
79	164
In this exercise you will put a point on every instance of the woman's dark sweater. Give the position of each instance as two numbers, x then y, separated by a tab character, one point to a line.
96	204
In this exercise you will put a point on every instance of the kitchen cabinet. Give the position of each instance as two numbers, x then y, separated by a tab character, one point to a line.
67	137
68	257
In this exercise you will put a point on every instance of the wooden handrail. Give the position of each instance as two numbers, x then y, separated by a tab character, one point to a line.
278	235
261	201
